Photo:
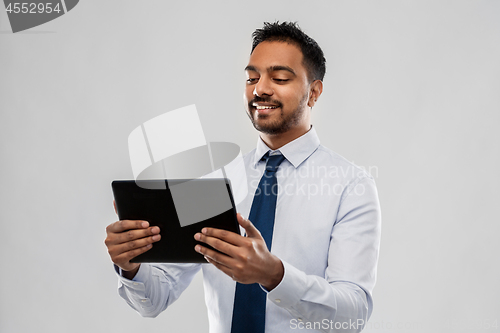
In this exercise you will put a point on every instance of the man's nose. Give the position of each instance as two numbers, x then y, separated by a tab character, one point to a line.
263	87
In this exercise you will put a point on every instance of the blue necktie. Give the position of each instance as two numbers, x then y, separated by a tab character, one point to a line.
249	312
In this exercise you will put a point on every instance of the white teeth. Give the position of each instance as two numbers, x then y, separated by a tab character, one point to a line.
265	107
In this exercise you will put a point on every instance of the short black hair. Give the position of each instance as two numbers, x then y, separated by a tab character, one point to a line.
289	32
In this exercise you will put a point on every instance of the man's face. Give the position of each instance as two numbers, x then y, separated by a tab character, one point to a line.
277	88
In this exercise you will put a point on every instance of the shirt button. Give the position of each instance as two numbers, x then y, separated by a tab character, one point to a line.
299	319
136	284
143	300
277	300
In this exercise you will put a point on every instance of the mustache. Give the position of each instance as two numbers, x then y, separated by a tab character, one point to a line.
258	99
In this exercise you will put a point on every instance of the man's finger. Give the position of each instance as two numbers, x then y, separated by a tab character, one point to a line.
129	255
219	244
223	268
220	258
134	234
225	235
132	245
251	230
122	225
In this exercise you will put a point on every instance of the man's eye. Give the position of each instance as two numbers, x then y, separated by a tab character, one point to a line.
250	80
281	80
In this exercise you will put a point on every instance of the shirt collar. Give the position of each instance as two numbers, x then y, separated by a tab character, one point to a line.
296	151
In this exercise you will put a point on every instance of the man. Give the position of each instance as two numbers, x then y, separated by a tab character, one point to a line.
324	220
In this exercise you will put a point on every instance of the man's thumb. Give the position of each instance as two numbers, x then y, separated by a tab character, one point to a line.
251	230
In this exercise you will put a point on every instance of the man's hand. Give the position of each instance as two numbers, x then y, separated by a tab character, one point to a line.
127	239
245	259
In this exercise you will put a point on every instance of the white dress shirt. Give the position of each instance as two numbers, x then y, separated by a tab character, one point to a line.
326	233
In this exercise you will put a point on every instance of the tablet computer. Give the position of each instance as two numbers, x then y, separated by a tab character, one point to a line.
181	208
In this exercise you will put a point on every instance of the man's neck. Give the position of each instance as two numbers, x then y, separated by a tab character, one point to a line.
276	141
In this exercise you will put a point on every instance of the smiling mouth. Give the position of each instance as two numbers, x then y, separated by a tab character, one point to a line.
258	107
263	111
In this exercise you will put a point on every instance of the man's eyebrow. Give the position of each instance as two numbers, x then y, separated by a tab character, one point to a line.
251	68
272	69
281	68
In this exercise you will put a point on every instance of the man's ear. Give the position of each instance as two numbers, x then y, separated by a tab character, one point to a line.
315	91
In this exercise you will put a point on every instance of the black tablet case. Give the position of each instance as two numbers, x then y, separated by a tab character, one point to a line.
157	207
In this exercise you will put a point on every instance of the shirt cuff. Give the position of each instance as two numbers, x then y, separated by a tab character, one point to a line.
139	279
291	288
134	291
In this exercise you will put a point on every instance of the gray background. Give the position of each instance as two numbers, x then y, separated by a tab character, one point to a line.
412	91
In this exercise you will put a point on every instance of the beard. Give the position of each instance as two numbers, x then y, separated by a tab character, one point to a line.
283	123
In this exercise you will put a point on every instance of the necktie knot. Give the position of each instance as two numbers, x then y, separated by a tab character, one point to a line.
273	162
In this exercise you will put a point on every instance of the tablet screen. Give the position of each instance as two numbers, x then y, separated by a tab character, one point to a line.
181	208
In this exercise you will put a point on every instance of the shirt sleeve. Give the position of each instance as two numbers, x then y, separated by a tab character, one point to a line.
155	286
341	300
